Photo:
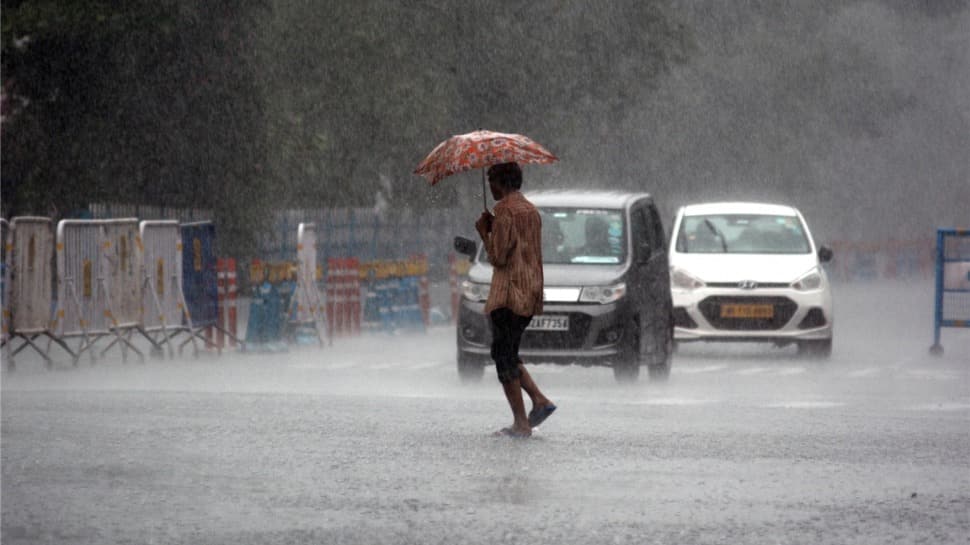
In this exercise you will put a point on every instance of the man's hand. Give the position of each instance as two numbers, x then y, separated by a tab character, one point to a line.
484	224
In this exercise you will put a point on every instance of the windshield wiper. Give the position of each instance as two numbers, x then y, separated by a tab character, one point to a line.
713	229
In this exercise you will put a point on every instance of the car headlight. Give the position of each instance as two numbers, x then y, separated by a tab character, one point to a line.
812	280
474	291
602	294
679	278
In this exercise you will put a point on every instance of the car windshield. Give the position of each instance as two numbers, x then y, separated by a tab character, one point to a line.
742	234
592	236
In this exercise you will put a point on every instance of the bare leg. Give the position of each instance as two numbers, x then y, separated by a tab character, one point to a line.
529	385
513	393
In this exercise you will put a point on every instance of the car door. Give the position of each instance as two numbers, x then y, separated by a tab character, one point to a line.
653	284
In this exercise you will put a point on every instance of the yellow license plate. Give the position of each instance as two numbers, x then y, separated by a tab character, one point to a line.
747	311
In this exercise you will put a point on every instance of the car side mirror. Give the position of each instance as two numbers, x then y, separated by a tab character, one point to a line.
466	246
825	254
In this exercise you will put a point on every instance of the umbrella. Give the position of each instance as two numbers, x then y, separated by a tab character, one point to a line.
480	149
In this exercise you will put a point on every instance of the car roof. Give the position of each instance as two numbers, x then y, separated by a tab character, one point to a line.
569	198
701	209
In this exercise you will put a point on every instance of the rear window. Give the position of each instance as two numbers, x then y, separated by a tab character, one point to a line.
742	234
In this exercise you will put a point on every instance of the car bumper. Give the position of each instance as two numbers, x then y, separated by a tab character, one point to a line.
795	315
595	334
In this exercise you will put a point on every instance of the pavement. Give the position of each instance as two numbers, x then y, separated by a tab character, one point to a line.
375	440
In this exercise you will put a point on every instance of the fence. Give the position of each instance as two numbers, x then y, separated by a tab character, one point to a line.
28	275
200	279
369	234
163	303
306	300
890	260
99	265
952	301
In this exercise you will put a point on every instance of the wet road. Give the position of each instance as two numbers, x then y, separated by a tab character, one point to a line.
375	441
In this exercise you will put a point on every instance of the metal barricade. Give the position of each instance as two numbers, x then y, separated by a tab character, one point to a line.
306	301
29	274
343	297
199	276
200	284
5	316
952	301
164	312
99	265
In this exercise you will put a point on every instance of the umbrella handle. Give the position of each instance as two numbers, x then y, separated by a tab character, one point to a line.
484	204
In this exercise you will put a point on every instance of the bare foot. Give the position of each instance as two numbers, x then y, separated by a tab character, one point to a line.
514	432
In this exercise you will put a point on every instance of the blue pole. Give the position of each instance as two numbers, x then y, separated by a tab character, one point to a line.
938	310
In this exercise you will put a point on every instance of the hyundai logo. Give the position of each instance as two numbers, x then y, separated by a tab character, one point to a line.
747	284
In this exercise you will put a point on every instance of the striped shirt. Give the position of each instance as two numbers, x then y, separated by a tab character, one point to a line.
515	251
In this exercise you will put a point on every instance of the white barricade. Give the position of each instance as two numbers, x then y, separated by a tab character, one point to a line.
32	273
5	316
5	288
163	301
124	267
309	304
27	284
99	265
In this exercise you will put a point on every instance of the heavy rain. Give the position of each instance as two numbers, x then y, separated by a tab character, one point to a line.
233	313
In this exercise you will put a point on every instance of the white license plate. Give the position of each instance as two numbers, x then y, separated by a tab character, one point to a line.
549	323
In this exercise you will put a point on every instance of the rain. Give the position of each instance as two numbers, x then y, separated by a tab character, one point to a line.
262	115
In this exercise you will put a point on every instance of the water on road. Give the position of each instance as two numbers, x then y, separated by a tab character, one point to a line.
375	440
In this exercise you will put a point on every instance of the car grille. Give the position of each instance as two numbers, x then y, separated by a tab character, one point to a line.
756	285
574	338
784	309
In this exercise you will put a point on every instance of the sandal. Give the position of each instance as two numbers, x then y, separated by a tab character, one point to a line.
539	415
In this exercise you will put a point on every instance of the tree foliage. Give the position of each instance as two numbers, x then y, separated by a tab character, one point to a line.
243	106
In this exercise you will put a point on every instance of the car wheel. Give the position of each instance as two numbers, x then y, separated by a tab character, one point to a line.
815	349
470	370
627	366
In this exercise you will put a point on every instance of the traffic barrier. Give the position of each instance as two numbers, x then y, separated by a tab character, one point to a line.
28	274
397	294
889	260
5	316
952	301
226	315
199	280
164	310
264	328
343	297
99	268
306	306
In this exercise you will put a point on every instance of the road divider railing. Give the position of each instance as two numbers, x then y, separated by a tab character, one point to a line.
951	305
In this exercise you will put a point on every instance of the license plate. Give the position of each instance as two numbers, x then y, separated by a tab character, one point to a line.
549	323
747	311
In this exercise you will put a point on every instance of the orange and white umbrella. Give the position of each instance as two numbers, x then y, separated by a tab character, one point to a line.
480	149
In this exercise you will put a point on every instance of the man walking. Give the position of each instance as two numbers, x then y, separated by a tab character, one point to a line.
513	240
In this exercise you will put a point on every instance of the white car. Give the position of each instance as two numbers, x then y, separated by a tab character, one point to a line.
749	272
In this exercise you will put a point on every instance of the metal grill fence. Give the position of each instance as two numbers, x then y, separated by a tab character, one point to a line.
952	305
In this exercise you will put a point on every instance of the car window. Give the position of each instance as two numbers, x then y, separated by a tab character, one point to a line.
594	236
582	235
742	234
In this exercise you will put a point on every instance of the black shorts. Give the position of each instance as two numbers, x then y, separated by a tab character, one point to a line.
507	329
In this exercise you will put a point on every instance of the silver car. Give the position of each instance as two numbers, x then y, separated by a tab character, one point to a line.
607	290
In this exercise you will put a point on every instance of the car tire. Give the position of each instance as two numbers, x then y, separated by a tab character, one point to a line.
470	370
821	349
